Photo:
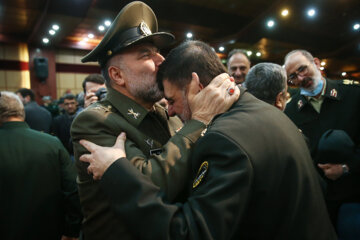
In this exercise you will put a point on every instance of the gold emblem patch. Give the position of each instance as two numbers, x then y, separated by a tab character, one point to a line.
145	30
201	173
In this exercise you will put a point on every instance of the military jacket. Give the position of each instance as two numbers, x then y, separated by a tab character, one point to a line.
253	179
339	110
156	144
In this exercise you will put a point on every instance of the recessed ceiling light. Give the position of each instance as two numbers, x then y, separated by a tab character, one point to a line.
52	32
249	53
323	63
221	49
90	35
285	12
45	40
101	28
107	23
343	74
55	27
311	12
270	23
356	26
189	35
258	54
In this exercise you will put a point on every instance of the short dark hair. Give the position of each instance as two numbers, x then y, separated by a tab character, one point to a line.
70	96
26	92
265	81
235	51
305	53
94	78
189	57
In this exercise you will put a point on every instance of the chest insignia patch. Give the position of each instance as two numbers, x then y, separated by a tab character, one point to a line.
150	142
132	113
300	104
201	173
333	93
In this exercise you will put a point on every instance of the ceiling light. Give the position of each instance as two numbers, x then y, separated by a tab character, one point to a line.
85	39
258	54
285	12
232	41
322	68
323	63
221	49
82	42
189	35
52	32
311	12
101	28
45	40
270	23
343	74
356	26
55	27
90	35
249	53
107	23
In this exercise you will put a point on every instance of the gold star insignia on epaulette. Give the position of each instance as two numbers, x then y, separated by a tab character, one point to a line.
150	142
333	93
300	103
134	114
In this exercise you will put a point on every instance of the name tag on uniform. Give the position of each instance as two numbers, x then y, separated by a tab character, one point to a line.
156	151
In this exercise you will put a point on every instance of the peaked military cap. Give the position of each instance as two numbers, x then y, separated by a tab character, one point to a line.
135	23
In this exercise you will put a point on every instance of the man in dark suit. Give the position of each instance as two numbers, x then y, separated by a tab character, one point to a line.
36	117
320	105
38	190
253	177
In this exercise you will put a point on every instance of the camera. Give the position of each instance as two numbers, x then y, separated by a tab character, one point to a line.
101	93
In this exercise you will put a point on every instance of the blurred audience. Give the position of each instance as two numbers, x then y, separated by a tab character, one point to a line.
238	64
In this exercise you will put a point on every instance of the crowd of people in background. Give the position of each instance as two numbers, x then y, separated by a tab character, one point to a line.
206	155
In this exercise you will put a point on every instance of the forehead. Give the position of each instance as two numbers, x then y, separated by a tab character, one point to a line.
295	60
238	58
69	100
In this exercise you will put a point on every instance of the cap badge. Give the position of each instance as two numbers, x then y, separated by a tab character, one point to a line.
201	173
132	113
300	103
144	29
333	93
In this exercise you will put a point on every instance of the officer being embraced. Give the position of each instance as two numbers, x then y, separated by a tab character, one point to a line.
253	177
158	145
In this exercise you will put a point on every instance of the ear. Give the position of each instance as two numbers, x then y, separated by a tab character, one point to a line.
116	75
279	101
317	62
194	86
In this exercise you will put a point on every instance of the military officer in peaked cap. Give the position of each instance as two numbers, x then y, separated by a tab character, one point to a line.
320	105
158	144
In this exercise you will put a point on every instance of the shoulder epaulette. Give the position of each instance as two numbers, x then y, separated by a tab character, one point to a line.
351	82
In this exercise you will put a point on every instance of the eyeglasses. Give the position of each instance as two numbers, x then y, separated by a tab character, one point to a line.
301	71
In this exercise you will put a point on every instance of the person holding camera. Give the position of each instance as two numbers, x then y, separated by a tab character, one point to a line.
94	89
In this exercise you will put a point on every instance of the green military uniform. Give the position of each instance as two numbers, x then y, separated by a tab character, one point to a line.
38	190
153	146
253	179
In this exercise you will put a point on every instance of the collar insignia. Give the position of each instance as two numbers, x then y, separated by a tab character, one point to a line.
144	29
150	142
300	104
134	114
201	173
333	93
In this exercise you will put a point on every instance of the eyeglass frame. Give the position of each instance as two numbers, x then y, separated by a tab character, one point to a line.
301	71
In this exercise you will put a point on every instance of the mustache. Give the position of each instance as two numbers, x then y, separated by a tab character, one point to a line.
306	81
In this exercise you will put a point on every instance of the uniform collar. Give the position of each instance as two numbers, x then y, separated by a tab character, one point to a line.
129	109
12	125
